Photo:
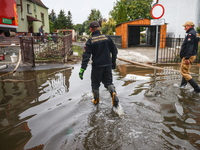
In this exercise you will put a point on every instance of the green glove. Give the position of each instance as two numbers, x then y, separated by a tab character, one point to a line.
81	73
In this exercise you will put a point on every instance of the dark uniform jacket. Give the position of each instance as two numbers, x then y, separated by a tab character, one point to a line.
190	44
100	47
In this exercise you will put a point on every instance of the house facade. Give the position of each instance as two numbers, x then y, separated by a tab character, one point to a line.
177	12
31	15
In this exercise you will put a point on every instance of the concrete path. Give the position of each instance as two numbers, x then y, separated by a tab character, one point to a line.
139	54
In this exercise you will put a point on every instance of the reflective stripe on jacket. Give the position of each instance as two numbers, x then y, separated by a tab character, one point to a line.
100	47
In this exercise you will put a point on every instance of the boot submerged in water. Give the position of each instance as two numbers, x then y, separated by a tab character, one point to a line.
95	101
183	83
194	85
115	100
96	97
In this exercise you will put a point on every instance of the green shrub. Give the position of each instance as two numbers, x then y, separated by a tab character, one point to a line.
77	49
198	29
198	54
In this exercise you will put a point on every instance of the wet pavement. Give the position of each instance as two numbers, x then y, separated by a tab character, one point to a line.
52	110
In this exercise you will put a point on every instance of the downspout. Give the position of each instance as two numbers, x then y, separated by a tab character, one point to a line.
21	5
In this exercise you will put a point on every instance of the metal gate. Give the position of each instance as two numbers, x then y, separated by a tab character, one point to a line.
117	40
45	48
170	53
27	50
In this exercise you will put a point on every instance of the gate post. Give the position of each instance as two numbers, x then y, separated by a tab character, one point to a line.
33	54
157	42
64	42
22	48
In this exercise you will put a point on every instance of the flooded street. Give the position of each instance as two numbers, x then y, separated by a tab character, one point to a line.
52	110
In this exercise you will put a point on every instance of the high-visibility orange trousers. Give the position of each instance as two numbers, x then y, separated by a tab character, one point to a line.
185	69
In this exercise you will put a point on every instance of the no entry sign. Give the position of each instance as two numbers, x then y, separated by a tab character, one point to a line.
157	11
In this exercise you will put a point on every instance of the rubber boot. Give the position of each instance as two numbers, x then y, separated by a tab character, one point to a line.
115	100
96	97
183	83
194	85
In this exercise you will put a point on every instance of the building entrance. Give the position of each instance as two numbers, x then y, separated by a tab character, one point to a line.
141	35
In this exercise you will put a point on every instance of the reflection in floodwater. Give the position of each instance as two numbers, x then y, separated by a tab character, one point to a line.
56	113
17	97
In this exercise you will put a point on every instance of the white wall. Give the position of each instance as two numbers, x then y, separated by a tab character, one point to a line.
177	12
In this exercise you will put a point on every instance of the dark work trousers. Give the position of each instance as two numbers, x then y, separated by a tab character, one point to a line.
101	74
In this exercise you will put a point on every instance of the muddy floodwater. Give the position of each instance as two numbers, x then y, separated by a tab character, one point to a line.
52	110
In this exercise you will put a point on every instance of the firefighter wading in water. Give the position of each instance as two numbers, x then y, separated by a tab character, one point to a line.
100	47
188	55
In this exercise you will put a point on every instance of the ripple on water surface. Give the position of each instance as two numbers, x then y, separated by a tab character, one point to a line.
56	112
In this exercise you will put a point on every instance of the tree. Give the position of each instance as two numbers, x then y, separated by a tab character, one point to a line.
69	20
79	28
62	20
51	26
52	21
108	27
86	26
52	16
128	10
119	12
95	15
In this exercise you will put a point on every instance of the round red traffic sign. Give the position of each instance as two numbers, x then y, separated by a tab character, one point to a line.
157	11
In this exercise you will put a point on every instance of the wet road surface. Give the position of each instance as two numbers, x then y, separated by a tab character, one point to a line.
55	112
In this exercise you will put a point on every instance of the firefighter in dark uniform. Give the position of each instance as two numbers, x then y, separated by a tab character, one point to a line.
188	55
100	47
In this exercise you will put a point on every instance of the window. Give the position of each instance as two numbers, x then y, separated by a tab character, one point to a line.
42	18
29	11
35	8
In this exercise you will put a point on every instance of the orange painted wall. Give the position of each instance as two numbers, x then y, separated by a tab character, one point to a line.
122	30
163	34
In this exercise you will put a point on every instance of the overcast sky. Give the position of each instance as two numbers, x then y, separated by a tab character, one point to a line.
80	9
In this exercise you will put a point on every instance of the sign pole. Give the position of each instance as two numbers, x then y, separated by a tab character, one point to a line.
157	44
157	22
